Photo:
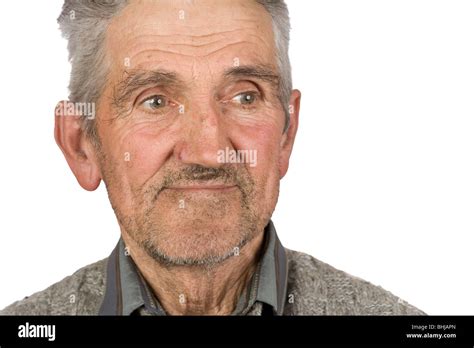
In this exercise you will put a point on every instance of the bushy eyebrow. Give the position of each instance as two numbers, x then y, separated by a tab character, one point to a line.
134	80
260	72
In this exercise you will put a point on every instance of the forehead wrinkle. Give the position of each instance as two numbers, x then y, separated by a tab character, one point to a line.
191	37
160	20
142	46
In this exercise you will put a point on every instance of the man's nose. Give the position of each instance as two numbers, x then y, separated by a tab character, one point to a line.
203	135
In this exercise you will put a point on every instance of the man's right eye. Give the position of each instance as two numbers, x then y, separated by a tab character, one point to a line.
155	102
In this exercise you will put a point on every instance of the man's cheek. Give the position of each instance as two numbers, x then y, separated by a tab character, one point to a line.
142	157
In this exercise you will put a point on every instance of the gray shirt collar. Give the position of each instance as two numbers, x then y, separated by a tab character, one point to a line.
127	292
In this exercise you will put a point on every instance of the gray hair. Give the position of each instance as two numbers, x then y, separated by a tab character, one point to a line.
84	25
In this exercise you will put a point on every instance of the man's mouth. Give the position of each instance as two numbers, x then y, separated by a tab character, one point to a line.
209	187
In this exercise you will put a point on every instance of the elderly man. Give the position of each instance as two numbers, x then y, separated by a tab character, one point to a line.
194	124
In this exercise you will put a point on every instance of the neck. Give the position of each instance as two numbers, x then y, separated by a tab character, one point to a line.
198	290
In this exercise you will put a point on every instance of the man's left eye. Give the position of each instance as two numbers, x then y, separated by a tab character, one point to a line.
245	98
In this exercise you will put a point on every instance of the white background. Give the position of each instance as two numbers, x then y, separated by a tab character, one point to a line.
381	182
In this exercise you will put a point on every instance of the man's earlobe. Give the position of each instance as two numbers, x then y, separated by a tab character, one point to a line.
288	138
77	149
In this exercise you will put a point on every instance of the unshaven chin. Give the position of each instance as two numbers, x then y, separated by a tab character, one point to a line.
208	228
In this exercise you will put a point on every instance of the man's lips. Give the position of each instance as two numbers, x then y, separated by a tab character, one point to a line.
202	187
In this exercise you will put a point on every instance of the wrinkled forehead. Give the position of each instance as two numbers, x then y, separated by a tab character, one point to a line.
194	36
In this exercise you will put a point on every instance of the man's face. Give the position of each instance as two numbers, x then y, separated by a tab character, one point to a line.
190	82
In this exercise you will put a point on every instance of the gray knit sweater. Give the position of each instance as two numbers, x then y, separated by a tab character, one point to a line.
314	288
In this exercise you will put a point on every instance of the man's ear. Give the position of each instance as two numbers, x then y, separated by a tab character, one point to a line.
288	138
77	149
